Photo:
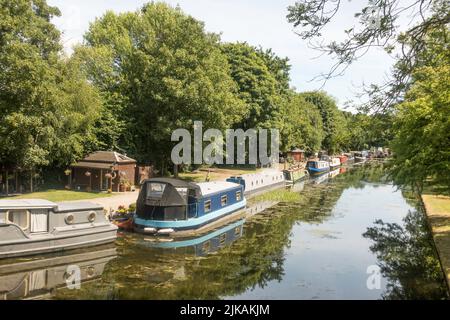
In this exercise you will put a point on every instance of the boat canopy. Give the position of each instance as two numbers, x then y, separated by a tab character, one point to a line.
167	191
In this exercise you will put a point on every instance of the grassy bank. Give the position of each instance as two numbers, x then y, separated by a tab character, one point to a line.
214	174
61	195
437	209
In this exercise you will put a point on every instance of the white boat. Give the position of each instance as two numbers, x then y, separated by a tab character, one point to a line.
261	181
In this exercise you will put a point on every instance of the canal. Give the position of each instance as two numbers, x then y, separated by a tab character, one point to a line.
350	236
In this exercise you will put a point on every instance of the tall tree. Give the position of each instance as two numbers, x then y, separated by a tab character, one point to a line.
332	119
302	125
167	72
254	72
422	130
47	107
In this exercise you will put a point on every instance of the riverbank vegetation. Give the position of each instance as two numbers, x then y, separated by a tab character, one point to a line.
414	102
137	77
140	75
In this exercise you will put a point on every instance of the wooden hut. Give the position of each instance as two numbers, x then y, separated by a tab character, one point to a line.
297	155
103	170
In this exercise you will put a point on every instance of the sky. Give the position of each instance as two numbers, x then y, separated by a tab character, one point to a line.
258	22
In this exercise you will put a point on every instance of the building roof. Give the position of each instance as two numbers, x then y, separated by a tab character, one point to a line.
84	164
108	157
297	150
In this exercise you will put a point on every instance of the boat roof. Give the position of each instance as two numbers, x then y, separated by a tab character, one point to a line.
207	188
26	204
177	183
79	205
265	172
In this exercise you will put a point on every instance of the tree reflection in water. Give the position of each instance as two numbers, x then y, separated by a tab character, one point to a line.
407	258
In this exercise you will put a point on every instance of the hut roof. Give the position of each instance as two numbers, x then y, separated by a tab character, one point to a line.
103	160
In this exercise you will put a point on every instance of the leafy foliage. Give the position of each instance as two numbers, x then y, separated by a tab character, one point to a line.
47	107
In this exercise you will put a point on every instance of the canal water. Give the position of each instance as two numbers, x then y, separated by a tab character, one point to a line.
350	235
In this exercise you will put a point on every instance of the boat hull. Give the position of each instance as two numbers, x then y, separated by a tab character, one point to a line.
62	240
312	170
155	226
255	192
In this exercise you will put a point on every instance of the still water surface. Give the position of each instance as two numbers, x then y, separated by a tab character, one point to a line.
327	245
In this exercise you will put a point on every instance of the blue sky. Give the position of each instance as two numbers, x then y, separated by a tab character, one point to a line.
258	22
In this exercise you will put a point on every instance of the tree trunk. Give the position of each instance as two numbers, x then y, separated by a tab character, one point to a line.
175	170
31	181
6	180
17	180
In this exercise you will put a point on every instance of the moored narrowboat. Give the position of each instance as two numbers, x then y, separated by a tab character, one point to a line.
295	174
255	183
37	226
167	206
317	166
334	162
360	157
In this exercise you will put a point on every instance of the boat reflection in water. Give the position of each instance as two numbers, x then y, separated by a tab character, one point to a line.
212	241
201	245
298	186
334	173
319	178
39	278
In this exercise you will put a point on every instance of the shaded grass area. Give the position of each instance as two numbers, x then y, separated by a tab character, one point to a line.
60	195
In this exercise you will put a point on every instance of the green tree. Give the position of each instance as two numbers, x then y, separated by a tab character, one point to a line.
254	72
47	108
302	125
422	130
167	72
376	24
332	119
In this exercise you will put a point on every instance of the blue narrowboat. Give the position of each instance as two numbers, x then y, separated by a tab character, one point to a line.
317	166
166	206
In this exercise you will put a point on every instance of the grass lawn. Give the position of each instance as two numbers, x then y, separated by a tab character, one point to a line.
61	195
215	174
438	204
438	212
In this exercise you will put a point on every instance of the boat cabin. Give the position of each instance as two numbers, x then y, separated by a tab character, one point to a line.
167	199
32	226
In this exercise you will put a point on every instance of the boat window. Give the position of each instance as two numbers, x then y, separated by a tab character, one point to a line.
155	189
39	221
182	192
224	200
238	196
19	217
207	206
223	239
237	231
